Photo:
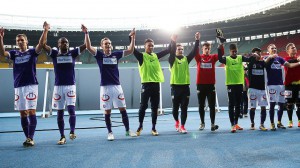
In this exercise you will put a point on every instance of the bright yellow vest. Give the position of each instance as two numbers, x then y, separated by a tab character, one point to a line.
234	70
180	74
151	71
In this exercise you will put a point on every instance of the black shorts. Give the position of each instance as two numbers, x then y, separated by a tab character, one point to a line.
292	93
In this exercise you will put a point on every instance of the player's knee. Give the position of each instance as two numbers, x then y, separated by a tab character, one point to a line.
143	107
289	106
31	111
24	113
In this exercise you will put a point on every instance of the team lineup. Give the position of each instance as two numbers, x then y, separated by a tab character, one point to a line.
284	93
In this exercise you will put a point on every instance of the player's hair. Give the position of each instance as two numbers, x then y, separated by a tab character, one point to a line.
105	38
207	44
149	40
270	46
178	45
288	46
22	35
62	38
233	46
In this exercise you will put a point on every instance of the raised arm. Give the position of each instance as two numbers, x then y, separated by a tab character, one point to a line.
132	43
43	39
87	40
166	51
221	54
220	40
173	51
193	53
2	50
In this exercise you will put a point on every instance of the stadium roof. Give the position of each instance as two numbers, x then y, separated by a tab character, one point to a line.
115	15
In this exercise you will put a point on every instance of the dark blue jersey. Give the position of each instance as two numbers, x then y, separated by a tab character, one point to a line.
64	66
274	71
108	65
24	67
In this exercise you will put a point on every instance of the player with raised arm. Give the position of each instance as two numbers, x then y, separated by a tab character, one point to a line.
151	75
180	81
234	71
25	81
111	92
206	80
64	92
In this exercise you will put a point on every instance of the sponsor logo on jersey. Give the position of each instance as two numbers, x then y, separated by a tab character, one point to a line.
64	59
152	60
21	60
105	97
110	61
206	65
56	97
257	72
282	93
31	96
234	62
276	66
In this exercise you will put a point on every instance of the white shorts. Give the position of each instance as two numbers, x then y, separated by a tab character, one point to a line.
26	97
276	93
257	98
62	95
111	95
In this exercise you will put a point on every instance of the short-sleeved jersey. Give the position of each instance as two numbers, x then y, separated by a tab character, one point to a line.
256	74
274	71
206	68
64	65
24	67
108	65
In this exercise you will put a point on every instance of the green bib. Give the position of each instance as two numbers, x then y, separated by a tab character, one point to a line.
180	73
234	70
151	71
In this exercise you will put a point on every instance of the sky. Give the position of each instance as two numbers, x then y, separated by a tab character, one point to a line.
125	14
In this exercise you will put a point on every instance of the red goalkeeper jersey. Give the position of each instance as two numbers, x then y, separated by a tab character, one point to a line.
206	68
291	74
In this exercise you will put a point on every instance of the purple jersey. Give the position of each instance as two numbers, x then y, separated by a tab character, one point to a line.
108	65
24	67
64	66
274	71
